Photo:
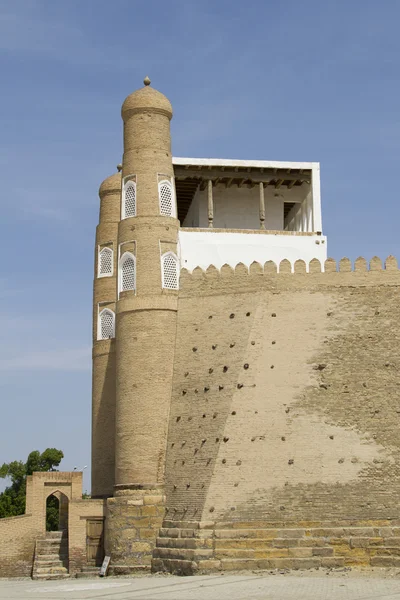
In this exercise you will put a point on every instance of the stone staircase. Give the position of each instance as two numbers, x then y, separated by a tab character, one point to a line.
194	550
51	556
88	572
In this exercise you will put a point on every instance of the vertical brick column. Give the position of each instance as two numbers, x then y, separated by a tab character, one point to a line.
145	338
134	518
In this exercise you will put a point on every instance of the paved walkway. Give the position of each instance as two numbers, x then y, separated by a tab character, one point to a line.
336	586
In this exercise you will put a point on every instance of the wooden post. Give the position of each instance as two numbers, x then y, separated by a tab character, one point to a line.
262	205
210	203
302	223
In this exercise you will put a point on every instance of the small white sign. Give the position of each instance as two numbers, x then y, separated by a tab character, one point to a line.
104	566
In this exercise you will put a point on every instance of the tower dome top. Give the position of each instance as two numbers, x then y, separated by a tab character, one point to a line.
147	99
110	184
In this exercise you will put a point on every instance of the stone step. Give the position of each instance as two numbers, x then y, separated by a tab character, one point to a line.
52	556
175	531
128	569
182	553
87	572
385	561
40	562
56	535
181	543
189	567
44	576
53	541
43	547
177	567
50	570
278	547
261	553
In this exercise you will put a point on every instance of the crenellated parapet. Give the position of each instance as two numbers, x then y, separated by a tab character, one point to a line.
329	273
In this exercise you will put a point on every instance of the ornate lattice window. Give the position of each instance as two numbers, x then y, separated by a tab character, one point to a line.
129	200
106	327
170	271
127	272
166	197
105	267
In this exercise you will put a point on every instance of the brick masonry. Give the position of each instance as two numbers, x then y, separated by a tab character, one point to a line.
189	548
19	535
285	410
134	519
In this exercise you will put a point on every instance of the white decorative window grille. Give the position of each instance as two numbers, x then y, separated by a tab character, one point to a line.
129	203
170	273
106	329
127	273
166	198
105	262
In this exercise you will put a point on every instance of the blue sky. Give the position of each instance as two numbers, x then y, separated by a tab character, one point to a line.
303	81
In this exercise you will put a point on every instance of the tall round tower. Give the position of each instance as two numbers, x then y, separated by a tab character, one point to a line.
148	275
104	363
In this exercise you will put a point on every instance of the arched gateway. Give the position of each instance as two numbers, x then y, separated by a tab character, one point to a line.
60	533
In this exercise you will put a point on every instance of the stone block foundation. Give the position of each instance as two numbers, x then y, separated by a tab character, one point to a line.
188	548
134	518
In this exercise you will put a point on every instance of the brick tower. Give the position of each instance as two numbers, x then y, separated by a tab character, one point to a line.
104	299
146	312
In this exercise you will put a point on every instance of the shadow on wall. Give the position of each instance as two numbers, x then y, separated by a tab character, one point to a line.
285	397
213	362
103	419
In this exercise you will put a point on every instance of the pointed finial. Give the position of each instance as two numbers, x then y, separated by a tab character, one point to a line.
146	80
119	168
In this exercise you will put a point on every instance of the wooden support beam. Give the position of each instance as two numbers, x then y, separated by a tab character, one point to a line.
210	203
279	183
256	176
262	206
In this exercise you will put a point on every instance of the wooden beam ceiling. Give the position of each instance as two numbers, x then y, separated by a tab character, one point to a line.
267	176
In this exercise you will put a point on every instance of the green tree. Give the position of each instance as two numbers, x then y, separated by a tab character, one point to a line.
12	500
52	513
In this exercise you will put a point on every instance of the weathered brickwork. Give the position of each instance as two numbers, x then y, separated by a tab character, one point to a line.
20	535
17	545
133	521
285	405
188	547
285	397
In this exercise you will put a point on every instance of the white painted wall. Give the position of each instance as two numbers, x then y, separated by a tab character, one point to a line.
238	208
192	217
300	218
205	248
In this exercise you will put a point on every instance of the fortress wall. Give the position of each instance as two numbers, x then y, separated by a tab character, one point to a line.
18	536
286	395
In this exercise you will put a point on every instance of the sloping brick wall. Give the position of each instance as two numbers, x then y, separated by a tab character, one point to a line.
286	394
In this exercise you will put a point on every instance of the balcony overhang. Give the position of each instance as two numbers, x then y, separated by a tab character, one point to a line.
194	173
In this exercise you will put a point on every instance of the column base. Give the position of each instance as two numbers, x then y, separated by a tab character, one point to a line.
133	520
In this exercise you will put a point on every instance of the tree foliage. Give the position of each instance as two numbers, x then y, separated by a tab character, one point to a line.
12	500
52	513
